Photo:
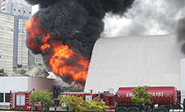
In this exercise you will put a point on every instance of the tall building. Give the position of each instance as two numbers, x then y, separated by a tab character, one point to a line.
6	40
13	50
16	7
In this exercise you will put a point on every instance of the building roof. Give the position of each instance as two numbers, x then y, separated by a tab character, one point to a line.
24	83
134	61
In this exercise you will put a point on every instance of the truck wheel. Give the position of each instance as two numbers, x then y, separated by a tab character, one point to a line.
161	109
46	108
122	109
133	109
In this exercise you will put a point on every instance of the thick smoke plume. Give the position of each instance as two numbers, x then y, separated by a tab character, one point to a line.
180	32
76	24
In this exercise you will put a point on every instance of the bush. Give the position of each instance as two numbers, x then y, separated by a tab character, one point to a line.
78	105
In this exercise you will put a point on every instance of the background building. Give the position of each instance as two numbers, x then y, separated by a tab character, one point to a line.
13	50
16	7
134	61
6	40
14	15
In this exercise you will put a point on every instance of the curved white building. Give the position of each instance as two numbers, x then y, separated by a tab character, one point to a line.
134	61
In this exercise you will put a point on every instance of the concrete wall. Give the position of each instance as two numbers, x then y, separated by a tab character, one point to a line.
22	10
40	83
134	61
25	83
182	80
13	83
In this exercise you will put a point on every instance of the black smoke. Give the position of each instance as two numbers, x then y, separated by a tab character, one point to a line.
76	23
180	32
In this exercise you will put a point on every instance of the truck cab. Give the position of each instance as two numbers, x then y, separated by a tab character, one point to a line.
109	99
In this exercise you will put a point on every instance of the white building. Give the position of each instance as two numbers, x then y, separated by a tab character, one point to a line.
16	7
23	84
134	61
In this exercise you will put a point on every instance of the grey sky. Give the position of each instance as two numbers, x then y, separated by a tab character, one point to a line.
146	17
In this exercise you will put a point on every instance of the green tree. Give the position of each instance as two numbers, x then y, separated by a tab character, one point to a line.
96	105
22	71
141	96
2	72
40	64
19	65
78	105
41	96
71	102
73	89
14	68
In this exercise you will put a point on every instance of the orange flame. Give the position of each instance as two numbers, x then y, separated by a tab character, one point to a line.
77	70
35	28
30	34
63	60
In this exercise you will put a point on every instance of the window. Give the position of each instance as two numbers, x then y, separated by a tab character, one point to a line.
20	100
88	97
102	96
19	11
111	101
1	97
14	9
7	97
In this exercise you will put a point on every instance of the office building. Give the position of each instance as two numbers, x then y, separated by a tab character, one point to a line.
15	7
13	50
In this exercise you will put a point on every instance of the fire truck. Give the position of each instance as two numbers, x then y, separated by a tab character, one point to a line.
20	101
164	98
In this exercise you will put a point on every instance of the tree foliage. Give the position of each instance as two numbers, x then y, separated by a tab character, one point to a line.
73	88
19	65
77	104
14	68
41	96
2	72
141	95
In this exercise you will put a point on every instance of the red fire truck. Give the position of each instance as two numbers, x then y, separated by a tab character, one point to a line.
85	96
20	101
164	98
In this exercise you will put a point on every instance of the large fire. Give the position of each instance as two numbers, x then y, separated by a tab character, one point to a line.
63	61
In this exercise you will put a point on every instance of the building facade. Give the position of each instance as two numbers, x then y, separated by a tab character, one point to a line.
13	50
6	40
15	7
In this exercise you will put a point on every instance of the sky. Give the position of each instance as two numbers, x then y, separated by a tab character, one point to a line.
146	17
34	9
